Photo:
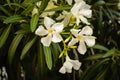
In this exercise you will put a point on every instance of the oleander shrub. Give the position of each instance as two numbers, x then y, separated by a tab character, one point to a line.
59	39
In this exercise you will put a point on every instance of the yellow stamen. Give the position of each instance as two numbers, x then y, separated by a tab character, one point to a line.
79	37
50	30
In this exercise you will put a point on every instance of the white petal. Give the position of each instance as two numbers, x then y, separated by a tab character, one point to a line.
76	64
38	3
78	5
51	13
48	22
69	2
86	12
75	9
75	32
58	27
84	20
62	70
86	6
56	37
68	65
82	48
87	30
78	0
68	70
90	41
44	14
60	17
34	11
66	20
72	42
77	21
41	31
46	41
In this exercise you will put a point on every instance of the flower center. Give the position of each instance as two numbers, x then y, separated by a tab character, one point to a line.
79	37
50	30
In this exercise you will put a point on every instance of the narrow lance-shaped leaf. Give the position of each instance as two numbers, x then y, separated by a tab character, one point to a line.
55	50
94	57
12	19
41	60
26	3
4	10
97	46
35	17
99	3
43	5
5	35
27	10
48	56
27	47
13	47
8	2
87	74
101	74
109	53
34	21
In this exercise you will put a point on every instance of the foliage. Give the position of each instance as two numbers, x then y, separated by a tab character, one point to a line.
21	48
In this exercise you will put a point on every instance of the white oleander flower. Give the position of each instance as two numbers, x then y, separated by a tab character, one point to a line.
52	31
65	16
82	36
81	11
35	9
68	65
49	6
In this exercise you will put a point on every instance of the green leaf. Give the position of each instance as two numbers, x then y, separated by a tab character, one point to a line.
27	3
48	56
8	2
27	47
101	74
97	46
41	60
91	71
22	32
27	10
115	12
5	35
94	57
13	47
109	53
33	22
4	10
55	50
12	19
43	5
2	18
99	3
16	5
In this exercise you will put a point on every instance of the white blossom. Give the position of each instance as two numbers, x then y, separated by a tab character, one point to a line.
68	65
81	11
82	36
49	6
65	16
35	9
51	31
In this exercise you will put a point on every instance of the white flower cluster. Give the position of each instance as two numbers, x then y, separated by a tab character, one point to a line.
51	30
